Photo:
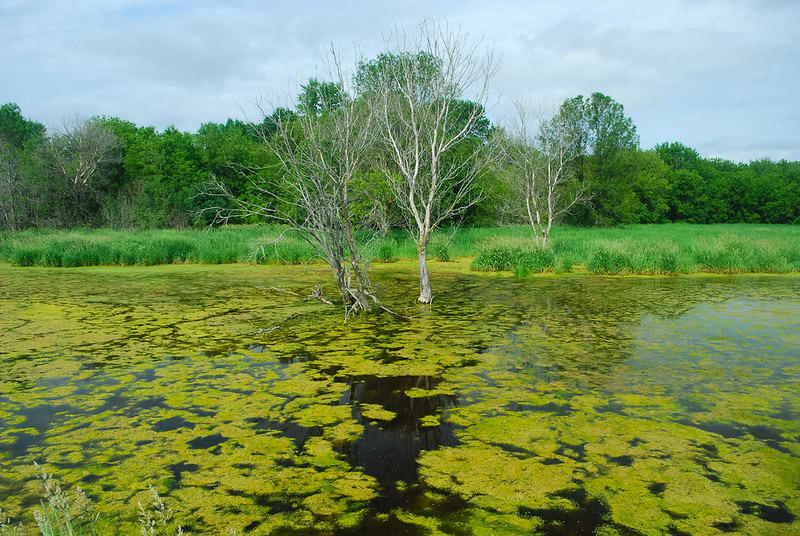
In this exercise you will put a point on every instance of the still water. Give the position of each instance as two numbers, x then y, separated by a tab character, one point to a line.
547	405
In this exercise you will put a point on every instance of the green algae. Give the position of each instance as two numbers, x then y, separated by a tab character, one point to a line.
650	405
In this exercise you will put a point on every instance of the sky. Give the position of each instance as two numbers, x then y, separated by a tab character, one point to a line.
720	76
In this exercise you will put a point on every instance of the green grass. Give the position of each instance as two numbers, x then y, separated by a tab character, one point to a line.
649	249
105	247
637	249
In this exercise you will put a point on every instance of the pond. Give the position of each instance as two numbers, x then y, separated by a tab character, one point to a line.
544	405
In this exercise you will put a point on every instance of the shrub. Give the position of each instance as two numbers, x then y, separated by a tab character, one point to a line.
442	254
25	257
536	260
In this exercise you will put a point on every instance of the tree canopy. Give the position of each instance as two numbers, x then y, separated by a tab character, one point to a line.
107	171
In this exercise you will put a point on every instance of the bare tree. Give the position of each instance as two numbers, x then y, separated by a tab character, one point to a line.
539	153
416	92
77	155
10	180
319	153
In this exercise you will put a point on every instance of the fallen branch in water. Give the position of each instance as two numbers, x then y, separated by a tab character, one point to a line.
316	294
259	331
276	289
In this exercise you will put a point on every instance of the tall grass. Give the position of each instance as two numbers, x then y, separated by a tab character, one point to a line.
638	249
105	247
652	249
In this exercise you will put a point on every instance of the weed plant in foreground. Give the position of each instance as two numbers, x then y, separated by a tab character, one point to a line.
58	515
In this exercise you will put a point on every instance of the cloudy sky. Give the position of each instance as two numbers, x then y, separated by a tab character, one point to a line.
722	76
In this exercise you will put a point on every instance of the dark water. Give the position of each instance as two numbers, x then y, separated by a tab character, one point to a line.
557	405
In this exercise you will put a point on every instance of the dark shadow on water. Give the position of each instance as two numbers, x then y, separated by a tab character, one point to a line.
389	450
774	514
41	418
588	515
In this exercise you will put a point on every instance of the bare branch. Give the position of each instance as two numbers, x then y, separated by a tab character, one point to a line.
417	92
538	155
318	152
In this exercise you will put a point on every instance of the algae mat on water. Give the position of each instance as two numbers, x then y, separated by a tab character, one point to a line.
571	405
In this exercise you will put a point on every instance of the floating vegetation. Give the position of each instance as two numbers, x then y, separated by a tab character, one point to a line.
511	406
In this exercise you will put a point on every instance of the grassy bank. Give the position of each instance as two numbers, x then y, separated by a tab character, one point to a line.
261	244
650	249
640	249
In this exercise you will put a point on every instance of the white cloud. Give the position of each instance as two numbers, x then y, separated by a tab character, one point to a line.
718	75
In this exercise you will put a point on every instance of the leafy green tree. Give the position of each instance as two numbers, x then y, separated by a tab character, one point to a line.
719	178
392	72
317	97
689	197
600	129
175	189
688	190
636	188
232	153
15	130
776	186
678	156
610	130
19	196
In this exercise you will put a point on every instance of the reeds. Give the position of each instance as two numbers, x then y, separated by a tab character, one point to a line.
108	248
650	250
638	249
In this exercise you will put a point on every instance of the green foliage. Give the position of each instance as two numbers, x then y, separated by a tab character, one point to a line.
107	247
601	129
634	188
157	178
158	521
521	260
609	260
58	515
396	70
636	249
318	97
15	130
385	253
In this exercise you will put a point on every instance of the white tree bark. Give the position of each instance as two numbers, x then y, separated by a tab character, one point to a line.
538	155
416	94
77	155
319	155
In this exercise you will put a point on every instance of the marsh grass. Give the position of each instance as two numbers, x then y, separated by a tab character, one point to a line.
259	244
651	250
640	249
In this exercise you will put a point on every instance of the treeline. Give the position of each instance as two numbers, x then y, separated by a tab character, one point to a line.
109	172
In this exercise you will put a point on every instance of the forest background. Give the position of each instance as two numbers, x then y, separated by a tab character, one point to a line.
107	172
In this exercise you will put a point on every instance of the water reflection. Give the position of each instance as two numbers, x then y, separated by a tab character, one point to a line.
388	449
542	405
